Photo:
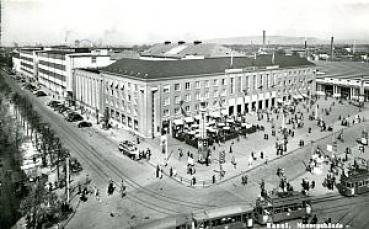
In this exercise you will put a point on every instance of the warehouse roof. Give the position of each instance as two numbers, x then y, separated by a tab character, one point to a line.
150	70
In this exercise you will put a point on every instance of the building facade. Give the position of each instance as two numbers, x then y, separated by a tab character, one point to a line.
55	69
143	95
28	61
356	88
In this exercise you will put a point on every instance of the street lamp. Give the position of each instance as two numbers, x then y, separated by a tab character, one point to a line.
203	139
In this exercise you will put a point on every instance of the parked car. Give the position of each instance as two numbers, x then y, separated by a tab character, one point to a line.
63	109
39	93
128	148
53	103
84	124
74	117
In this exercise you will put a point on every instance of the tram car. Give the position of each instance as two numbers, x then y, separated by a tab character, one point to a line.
354	182
180	221
231	217
282	206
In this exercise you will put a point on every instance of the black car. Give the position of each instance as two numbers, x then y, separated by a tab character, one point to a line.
53	103
74	117
39	93
63	109
84	124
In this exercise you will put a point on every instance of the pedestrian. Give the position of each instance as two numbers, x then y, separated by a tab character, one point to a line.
171	171
250	160
233	161
157	171
213	179
161	173
261	155
193	180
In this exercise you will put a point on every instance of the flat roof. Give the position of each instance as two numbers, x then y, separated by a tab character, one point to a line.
158	69
342	69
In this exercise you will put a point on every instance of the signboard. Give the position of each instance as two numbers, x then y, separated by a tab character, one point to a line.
222	157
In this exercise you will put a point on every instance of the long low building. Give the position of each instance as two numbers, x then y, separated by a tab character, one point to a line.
353	88
145	96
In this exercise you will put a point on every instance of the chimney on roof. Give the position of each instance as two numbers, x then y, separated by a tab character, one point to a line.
332	48
264	37
167	42
197	42
181	42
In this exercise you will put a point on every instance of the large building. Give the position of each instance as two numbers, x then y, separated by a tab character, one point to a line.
144	95
28	61
56	66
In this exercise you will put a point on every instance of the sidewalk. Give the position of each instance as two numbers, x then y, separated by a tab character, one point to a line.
241	150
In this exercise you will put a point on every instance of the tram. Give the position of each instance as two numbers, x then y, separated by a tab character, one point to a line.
282	206
354	182
180	221
231	217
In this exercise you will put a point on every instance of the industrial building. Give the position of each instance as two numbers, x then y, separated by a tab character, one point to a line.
28	62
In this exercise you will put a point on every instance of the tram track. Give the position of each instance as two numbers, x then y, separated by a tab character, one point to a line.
79	146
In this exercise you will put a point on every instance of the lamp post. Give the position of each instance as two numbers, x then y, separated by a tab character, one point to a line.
203	139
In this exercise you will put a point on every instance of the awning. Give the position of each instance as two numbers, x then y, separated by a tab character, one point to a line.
178	122
215	114
197	117
279	101
221	124
336	95
224	112
194	125
305	95
230	120
226	128
355	97
188	119
320	93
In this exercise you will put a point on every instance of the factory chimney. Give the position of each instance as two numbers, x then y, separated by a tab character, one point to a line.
332	48
264	37
305	44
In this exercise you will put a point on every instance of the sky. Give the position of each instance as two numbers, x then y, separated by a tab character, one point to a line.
149	21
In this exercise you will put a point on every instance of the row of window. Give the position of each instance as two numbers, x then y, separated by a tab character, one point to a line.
52	55
25	65
51	82
187	108
26	58
124	106
52	74
27	70
127	121
266	80
52	65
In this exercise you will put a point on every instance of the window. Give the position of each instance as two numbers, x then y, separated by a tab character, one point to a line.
216	82
260	81
112	92
188	108
136	87
112	113
224	82
117	115
166	101
136	124
232	85
176	110
166	113
129	98
177	99
93	59
123	104
247	83
188	86
188	98
166	89
196	107
224	92
216	93
206	95
240	83
177	87
215	103
197	84
129	86
207	83
197	95
123	119
254	86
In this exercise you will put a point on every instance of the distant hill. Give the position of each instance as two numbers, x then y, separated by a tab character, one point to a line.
282	40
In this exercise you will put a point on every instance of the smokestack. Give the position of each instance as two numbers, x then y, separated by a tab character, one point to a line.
305	44
264	37
332	47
